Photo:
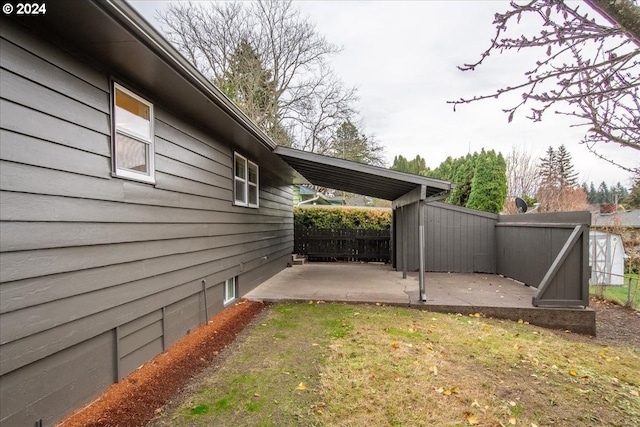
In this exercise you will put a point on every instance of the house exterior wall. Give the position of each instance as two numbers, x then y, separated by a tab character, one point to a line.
99	274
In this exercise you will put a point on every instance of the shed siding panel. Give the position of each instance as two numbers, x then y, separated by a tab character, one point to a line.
459	240
85	254
543	245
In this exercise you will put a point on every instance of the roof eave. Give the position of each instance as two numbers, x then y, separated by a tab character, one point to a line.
127	15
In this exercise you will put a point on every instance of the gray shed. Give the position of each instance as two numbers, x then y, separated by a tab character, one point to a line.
606	256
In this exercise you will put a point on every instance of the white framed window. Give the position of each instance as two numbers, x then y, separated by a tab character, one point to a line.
133	150
229	290
245	182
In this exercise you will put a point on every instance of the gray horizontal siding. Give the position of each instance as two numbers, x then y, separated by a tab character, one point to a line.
90	263
24	149
62	58
187	314
22	236
94	192
44	73
31	95
139	341
25	121
54	384
24	264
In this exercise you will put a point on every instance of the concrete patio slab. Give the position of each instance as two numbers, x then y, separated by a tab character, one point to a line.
487	294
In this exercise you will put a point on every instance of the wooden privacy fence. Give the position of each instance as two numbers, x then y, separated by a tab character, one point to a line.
343	245
549	251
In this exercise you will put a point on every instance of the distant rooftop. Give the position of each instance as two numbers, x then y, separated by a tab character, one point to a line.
622	219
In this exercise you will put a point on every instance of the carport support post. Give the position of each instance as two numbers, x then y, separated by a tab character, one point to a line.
404	244
423	295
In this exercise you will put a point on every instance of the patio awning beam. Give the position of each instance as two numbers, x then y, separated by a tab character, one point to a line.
359	178
413	196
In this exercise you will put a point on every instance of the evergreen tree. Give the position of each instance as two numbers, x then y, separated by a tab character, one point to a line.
400	163
585	188
446	169
564	168
619	193
556	169
547	168
463	170
251	86
633	199
604	196
416	166
350	144
483	174
489	185
592	195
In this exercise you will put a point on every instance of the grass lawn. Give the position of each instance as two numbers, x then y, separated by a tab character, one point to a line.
619	294
366	365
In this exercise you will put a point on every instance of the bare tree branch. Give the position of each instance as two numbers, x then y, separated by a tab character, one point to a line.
591	70
249	50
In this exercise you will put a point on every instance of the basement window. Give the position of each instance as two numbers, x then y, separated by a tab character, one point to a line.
245	182
229	290
133	151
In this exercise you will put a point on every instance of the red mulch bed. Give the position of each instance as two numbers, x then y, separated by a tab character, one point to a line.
139	397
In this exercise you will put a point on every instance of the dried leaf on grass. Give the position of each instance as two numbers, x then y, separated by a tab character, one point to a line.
471	419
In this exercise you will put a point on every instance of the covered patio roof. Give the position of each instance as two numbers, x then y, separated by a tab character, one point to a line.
359	178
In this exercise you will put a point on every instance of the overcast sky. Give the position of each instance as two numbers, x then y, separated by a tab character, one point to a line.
402	57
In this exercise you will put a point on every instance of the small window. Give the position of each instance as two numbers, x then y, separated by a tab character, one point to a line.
245	182
133	129
229	290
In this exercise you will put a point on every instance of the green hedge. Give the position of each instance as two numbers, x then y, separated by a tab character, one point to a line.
341	218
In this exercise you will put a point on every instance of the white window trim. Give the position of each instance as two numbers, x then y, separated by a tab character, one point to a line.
230	282
245	182
127	173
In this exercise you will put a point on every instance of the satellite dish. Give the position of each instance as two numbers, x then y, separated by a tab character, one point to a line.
521	205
